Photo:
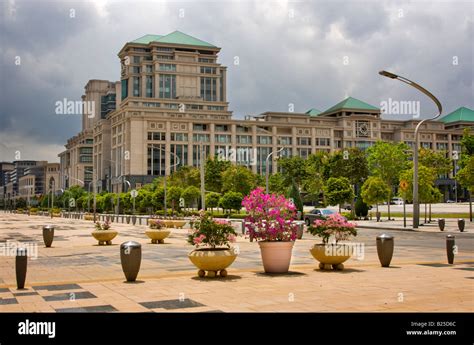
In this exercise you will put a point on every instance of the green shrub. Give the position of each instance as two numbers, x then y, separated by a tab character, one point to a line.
361	208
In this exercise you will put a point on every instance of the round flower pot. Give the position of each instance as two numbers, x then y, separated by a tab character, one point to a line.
276	256
331	255
179	223
104	237
212	260
168	223
157	235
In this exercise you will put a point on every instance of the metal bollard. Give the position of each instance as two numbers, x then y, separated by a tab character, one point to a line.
243	227
128	219
450	247
134	220
441	224
140	220
461	224
48	235
385	246
21	263
130	257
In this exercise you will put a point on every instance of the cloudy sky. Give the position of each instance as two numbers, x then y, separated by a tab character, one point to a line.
305	53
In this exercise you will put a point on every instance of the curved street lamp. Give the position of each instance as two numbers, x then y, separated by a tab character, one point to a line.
416	204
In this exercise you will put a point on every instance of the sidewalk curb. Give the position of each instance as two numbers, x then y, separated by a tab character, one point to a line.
373	227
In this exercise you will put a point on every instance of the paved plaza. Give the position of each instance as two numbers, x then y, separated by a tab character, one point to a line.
78	275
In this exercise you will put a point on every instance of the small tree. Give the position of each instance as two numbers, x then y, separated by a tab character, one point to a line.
294	194
338	190
212	200
361	208
231	201
173	194
374	191
191	195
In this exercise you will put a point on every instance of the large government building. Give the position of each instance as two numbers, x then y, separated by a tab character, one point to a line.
170	109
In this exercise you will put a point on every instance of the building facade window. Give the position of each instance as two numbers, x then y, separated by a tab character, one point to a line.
197	153
323	142
179	136
285	140
156	159
221	128
149	68
180	151
149	86
264	140
136	86
200	127
222	138
208	89
167	67
303	141
157	136
167	86
304	152
199	137
208	70
124	88
244	139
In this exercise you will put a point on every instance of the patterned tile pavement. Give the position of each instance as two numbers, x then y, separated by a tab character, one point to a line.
77	275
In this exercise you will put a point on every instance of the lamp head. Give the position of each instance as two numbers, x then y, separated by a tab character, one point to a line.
388	74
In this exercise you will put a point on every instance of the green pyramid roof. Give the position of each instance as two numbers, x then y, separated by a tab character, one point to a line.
176	37
313	112
461	114
351	103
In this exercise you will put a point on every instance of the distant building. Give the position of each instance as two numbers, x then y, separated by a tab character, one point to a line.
170	108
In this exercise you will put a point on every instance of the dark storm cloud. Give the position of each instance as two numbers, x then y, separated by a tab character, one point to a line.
288	53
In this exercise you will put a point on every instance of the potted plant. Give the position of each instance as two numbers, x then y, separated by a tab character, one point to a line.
332	254
103	233
270	220
88	216
212	238
157	231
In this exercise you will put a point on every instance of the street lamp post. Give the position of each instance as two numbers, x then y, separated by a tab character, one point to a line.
416	204
267	161
203	189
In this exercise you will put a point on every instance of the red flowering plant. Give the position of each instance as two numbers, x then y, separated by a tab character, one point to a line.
270	216
335	225
207	231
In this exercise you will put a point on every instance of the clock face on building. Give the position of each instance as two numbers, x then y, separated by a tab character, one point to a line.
363	129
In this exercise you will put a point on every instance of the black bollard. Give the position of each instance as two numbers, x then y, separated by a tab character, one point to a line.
21	263
450	246
48	235
441	224
385	246
461	224
134	220
130	257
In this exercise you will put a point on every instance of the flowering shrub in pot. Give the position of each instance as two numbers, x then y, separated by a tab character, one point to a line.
333	254
270	221
157	231
212	238
103	233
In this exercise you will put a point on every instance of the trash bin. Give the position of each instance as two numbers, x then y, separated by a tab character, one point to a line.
130	257
385	246
450	246
21	262
461	224
48	235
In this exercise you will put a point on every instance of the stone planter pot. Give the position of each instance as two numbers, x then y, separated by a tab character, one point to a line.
332	255
56	214
104	237
276	256
88	217
213	261
461	224
157	235
179	223
441	224
48	235
168	223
